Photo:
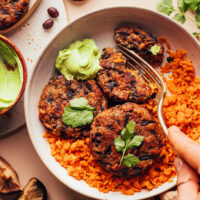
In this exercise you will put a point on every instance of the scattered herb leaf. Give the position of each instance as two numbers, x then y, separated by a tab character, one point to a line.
130	160
183	7
180	18
165	6
196	34
155	49
126	141
78	113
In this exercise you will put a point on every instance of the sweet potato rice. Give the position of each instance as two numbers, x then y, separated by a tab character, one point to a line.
181	108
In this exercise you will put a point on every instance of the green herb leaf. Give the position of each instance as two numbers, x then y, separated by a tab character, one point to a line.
125	134
130	160
80	104
131	127
76	118
155	49
119	144
189	1
183	7
195	34
180	18
193	7
78	113
198	24
136	141
165	6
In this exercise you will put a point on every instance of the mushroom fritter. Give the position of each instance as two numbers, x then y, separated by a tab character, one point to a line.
108	125
12	11
141	42
119	83
57	94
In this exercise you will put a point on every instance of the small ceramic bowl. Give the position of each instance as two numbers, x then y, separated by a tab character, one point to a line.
21	58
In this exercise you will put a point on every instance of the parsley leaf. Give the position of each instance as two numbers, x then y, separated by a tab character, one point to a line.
128	140
155	49
78	113
130	160
165	6
80	104
136	141
119	144
180	18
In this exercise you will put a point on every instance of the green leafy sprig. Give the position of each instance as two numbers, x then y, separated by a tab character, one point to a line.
166	7
78	113
126	141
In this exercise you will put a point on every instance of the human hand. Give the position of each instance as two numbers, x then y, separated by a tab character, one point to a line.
188	167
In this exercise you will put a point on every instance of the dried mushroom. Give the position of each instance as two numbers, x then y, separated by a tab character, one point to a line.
34	190
9	181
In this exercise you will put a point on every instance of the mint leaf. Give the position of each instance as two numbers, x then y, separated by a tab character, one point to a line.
76	118
130	160
183	7
119	144
155	49
136	141
165	6
80	104
180	18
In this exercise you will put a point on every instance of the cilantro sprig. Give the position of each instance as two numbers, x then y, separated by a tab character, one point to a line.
166	7
126	141
78	113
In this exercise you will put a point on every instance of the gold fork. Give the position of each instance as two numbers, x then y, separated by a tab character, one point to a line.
150	75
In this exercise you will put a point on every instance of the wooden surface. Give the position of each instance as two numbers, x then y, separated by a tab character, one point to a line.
32	8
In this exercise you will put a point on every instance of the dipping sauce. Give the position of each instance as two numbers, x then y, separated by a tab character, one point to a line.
80	60
11	75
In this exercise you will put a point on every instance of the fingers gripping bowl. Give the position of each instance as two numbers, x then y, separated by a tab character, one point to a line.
85	27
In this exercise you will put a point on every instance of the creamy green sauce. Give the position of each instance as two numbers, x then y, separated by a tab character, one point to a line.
11	75
80	60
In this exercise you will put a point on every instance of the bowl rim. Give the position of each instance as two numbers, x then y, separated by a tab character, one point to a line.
24	68
26	102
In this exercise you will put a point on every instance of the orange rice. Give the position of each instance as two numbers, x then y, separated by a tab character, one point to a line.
181	108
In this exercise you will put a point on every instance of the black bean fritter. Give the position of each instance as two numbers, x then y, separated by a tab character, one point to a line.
119	83
141	42
108	125
12	11
57	94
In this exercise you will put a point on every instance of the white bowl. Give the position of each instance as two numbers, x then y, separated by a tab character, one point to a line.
100	26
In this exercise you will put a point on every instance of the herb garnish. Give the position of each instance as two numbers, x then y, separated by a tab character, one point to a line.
155	49
78	113
166	7
126	141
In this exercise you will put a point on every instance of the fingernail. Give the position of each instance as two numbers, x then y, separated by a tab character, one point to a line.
178	164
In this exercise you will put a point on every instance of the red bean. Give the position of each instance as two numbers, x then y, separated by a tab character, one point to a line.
53	12
48	24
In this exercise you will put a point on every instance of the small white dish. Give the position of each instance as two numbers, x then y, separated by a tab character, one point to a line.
100	26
